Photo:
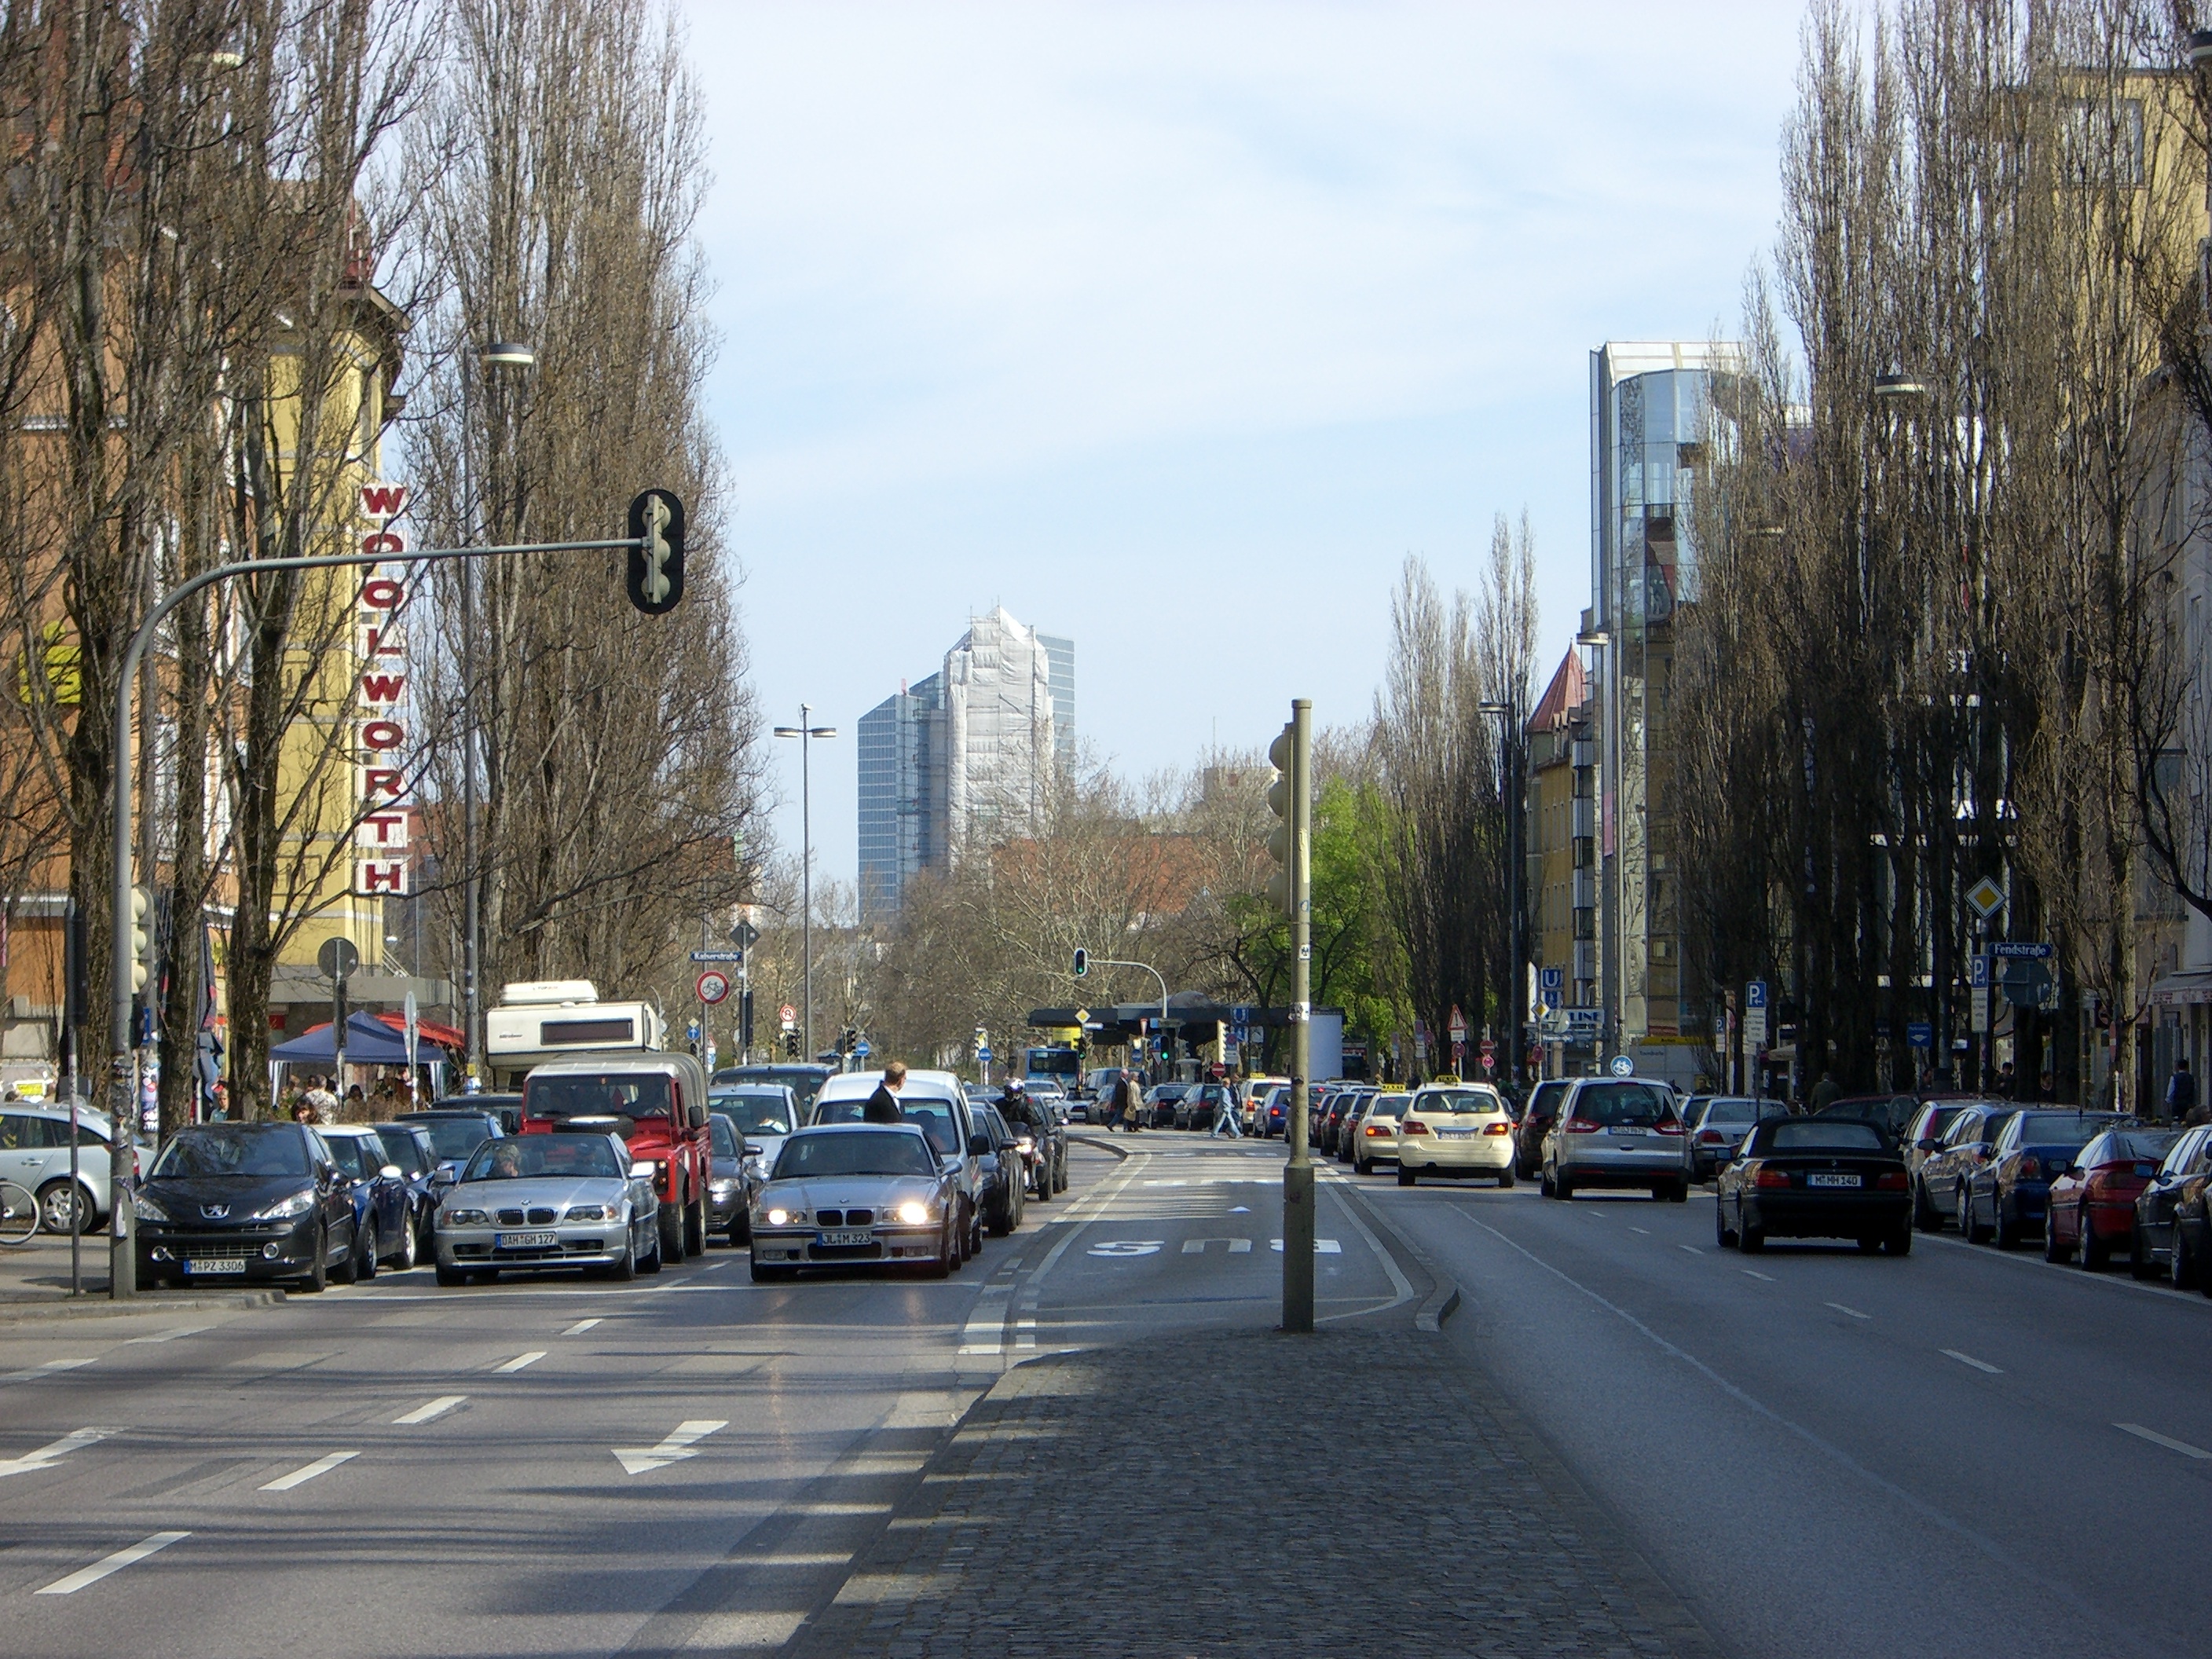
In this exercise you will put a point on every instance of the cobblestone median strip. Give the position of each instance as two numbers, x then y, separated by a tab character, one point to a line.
1247	1529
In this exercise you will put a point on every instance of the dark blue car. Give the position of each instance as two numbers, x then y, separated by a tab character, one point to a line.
384	1218
2008	1195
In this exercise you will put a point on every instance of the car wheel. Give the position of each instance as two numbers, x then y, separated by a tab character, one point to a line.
364	1254
671	1220
2141	1265
405	1261
319	1274
2180	1267
1925	1215
451	1278
1749	1239
944	1262
1362	1166
1544	1183
1505	1176
1060	1180
1563	1185
2052	1249
1968	1226
625	1266
347	1273
1405	1176
1870	1244
694	1225
1900	1242
2095	1252
649	1263
2005	1230
56	1208
1721	1236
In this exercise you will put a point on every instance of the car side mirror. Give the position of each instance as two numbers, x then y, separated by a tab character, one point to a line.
979	1144
752	1151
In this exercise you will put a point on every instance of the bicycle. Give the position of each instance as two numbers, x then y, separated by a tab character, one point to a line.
19	1213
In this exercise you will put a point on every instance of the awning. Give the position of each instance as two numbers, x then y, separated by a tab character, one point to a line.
369	1042
2183	990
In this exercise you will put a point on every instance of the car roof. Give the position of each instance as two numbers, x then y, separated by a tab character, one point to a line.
859	1085
856	1129
356	1130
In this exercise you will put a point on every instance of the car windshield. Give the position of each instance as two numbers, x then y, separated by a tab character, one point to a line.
1459	1100
1834	1134
455	1137
854	1152
930	1113
560	1157
724	1135
399	1148
756	1111
2067	1132
1729	1110
603	1094
2139	1145
804	1081
1546	1100
1623	1104
244	1151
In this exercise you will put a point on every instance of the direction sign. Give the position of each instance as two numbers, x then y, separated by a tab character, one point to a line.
1585	1019
1920	1034
1986	897
713	985
718	956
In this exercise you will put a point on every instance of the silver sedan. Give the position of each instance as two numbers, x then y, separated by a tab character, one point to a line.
847	1194
565	1200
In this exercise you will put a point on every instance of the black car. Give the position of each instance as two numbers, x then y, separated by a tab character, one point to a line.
1813	1177
409	1146
1030	1119
227	1202
455	1133
1005	1173
804	1081
508	1109
1535	1124
2152	1233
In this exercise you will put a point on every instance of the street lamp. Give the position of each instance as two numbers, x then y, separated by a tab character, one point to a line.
498	354
806	733
1509	754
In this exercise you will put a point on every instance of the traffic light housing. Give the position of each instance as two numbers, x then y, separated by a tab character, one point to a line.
1081	962
141	938
1279	839
746	1018
791	1045
656	562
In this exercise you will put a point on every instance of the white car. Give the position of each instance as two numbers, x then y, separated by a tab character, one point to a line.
1456	1129
1377	1139
34	1154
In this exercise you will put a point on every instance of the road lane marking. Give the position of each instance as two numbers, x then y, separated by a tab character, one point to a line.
43	1458
1646	1231
168	1336
424	1414
299	1476
1969	1360
674	1449
1321	1247
1752	1272
1026	1333
1132	1247
115	1563
1236	1246
581	1326
1853	1312
519	1362
2158	1439
51	1368
1692	1249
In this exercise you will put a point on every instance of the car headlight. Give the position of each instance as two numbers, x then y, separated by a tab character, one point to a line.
781	1218
1026	1144
645	1166
588	1213
145	1209
913	1214
463	1218
288	1209
722	1190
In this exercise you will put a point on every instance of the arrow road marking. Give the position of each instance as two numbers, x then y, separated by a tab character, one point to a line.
1969	1360
674	1449
2158	1439
519	1362
45	1455
1236	1246
301	1477
424	1414
115	1563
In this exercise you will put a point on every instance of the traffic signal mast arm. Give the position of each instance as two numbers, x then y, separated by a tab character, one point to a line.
1085	962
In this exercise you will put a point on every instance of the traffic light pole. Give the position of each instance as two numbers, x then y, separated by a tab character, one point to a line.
1299	1174
122	1251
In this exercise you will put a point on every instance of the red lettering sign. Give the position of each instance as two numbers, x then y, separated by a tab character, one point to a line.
382	734
382	780
382	687
382	594
383	500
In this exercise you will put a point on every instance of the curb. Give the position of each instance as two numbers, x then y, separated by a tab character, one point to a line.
96	1305
1098	1146
1442	1302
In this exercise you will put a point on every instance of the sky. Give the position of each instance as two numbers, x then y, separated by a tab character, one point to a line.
1175	328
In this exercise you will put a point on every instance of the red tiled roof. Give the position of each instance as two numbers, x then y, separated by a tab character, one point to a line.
1567	693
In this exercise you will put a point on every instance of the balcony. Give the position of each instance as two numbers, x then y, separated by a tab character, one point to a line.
1584	817
1585	889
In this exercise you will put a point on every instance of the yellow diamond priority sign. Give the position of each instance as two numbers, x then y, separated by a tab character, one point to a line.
1987	898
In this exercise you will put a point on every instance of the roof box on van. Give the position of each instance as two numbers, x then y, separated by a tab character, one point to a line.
550	992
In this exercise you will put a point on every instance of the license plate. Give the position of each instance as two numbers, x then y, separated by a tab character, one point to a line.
847	1235
524	1241
1454	1134
1828	1180
1625	1134
232	1265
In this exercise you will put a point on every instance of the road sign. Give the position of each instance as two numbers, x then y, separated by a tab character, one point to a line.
2024	980
1585	1019
1458	1026
788	1015
1986	897
1083	1017
718	956
1623	1065
863	1049
2020	948
1978	972
1920	1034
984	1054
1551	979
1240	1014
744	936
1754	994
338	957
713	985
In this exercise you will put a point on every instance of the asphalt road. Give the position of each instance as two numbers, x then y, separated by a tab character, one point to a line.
1831	1453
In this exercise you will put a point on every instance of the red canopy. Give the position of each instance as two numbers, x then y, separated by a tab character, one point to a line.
446	1036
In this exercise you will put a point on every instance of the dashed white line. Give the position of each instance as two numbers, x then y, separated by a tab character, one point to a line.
1751	1272
519	1362
299	1476
424	1414
1969	1360
1853	1312
168	1336
51	1368
1692	1249
2158	1439
581	1326
115	1563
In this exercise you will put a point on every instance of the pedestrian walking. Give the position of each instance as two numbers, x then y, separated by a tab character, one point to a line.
320	1102
884	1106
2180	1091
1225	1117
1825	1092
1129	1102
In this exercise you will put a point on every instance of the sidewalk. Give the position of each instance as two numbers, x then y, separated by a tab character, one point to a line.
1105	1503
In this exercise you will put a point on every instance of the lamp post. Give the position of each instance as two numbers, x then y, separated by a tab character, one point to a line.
806	733
1517	984
498	355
